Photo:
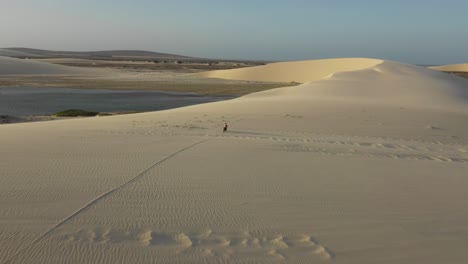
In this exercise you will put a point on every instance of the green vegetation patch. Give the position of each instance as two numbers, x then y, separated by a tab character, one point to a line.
75	113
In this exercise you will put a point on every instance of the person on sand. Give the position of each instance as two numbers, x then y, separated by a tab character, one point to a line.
225	127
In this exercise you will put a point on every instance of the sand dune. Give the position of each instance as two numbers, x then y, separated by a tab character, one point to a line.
452	67
364	166
388	83
13	66
299	71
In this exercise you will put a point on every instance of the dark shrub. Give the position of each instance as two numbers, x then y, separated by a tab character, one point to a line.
75	113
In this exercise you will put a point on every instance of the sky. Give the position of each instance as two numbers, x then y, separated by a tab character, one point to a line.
420	32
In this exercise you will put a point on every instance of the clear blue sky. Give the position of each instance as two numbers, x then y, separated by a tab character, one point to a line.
413	31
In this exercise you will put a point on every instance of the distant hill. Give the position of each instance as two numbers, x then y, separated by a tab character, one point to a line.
13	53
23	52
15	66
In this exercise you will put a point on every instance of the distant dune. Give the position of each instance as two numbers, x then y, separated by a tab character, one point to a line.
13	66
452	67
377	82
360	80
299	71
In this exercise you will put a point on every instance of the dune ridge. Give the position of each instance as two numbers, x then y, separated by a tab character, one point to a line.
463	67
385	83
297	71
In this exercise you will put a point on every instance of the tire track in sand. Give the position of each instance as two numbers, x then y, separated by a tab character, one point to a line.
100	197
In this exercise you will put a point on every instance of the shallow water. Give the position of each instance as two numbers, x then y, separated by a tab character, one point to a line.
31	101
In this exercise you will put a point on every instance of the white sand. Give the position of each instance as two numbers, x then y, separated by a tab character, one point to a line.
452	67
13	66
367	166
301	71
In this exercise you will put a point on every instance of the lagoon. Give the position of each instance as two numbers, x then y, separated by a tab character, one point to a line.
35	101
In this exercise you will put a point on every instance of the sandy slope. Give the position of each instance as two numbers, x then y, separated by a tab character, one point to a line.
13	66
362	167
302	71
452	67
